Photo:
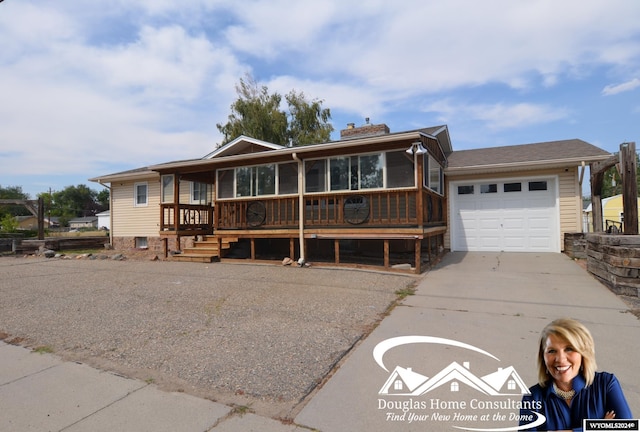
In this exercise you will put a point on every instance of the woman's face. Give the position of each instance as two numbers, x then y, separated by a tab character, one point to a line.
562	360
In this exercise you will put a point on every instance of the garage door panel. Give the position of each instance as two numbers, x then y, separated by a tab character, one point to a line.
509	221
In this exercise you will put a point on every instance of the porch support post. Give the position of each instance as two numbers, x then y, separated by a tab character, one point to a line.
386	253
300	206
628	169
253	248
292	247
176	205
417	254
336	250
419	162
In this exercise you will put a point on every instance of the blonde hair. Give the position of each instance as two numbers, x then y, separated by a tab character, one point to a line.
578	337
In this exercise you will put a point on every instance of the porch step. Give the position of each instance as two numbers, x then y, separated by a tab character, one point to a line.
187	257
205	250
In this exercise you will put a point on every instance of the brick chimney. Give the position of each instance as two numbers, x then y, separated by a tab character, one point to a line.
367	129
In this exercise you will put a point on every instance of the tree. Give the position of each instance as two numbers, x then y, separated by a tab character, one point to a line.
13	192
257	113
74	201
308	121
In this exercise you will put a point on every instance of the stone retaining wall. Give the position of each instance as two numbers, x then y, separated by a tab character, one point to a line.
615	260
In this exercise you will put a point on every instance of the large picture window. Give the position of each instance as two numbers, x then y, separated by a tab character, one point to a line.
400	170
287	178
258	180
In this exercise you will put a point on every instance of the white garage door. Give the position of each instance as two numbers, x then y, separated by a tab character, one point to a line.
515	215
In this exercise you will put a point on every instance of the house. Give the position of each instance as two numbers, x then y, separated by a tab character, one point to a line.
31	222
104	220
84	222
371	198
612	214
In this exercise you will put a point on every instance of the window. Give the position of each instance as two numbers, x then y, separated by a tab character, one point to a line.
432	172
340	173
315	176
513	187
511	384
488	188
397	385
288	178
167	188
370	171
243	182
199	193
537	185
265	177
399	170
225	183
465	190
140	194
141	243
435	173
455	386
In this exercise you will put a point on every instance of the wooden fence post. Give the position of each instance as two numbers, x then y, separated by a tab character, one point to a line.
628	168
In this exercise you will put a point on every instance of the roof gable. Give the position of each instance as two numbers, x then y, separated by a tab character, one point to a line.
243	145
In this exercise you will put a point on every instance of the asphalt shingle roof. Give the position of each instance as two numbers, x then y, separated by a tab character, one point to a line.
538	152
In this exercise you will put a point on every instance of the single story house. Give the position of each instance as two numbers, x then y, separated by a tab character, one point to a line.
30	222
612	214
84	222
371	198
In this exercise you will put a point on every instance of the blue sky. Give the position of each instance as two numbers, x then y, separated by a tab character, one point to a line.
91	88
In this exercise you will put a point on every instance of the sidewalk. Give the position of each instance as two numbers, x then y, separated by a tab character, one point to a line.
495	302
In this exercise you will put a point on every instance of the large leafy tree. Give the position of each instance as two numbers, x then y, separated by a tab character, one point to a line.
258	114
13	192
74	201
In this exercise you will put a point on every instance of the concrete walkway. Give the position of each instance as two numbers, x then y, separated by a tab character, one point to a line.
494	303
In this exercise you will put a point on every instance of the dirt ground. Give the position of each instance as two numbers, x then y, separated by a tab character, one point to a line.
258	336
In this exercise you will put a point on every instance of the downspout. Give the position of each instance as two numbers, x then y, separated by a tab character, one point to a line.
110	212
300	206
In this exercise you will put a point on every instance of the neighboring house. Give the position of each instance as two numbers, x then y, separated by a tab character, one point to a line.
31	222
612	214
104	220
373	197
84	222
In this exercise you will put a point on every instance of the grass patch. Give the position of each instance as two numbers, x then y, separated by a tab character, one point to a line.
45	349
405	292
241	410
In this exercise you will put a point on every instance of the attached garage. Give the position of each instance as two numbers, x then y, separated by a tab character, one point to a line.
520	198
511	215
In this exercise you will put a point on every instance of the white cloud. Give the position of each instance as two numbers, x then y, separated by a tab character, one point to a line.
498	116
621	88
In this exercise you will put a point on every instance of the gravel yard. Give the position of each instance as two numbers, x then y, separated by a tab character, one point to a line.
261	336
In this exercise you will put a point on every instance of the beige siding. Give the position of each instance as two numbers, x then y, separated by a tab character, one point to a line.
132	221
570	197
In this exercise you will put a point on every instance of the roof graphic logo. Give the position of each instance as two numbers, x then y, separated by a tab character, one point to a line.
406	382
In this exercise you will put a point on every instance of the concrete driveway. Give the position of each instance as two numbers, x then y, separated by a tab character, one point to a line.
496	303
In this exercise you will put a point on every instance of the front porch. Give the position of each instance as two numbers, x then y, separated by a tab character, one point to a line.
389	229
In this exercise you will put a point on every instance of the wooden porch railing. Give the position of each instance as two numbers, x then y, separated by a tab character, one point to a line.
186	218
357	208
